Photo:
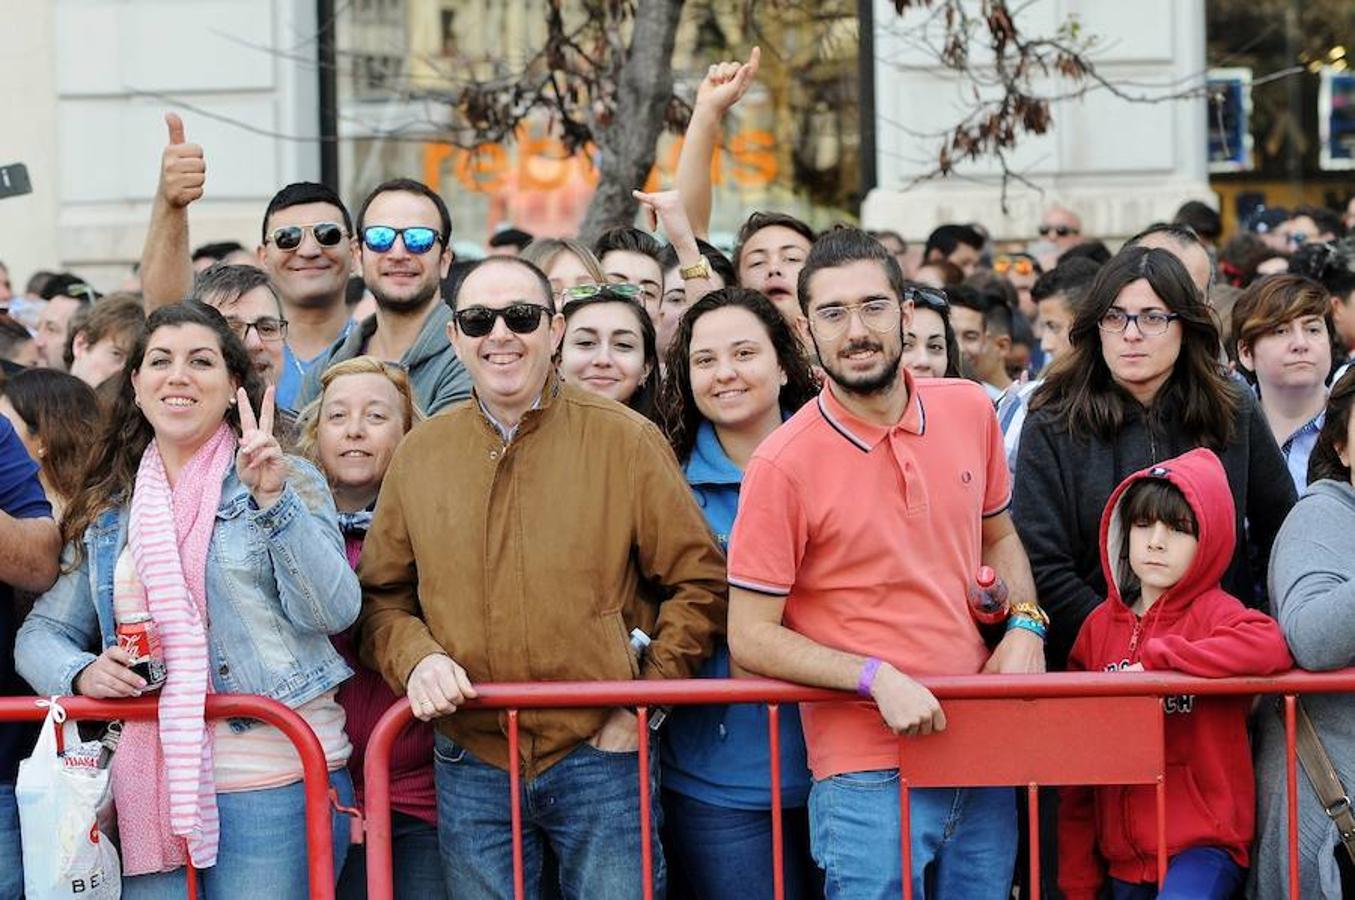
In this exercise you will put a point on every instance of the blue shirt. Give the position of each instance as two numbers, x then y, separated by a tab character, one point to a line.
720	755
295	369
21	496
1298	448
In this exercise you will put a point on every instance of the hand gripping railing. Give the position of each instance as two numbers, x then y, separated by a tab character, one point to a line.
1037	714
315	771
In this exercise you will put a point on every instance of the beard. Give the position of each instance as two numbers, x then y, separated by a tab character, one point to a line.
867	385
414	302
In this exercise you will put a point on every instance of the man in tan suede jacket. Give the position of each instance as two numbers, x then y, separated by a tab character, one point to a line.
521	536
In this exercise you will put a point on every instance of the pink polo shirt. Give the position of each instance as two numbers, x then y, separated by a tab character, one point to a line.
873	535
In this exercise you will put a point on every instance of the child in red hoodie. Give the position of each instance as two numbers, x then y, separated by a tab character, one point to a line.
1166	539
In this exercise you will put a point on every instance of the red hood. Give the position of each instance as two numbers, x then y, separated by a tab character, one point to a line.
1200	476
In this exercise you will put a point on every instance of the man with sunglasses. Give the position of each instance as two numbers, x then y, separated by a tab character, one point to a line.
862	522
527	536
404	251
304	247
1061	228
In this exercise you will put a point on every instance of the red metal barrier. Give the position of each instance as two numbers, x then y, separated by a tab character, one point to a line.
315	770
930	760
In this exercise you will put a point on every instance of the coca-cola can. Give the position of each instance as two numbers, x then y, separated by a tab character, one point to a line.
140	639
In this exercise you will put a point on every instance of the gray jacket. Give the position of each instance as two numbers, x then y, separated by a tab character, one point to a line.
1312	589
438	378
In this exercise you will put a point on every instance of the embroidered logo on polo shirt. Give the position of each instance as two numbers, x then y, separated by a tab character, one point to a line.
966	476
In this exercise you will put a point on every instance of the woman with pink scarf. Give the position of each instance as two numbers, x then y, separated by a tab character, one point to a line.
190	512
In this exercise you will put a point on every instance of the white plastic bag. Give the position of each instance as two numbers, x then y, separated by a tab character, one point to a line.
66	856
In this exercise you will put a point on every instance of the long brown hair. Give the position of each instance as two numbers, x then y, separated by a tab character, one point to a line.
680	415
63	412
1325	461
1081	391
124	432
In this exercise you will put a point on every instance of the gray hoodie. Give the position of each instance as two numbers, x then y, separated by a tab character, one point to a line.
1312	589
438	378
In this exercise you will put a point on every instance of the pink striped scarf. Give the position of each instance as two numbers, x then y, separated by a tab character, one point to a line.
168	793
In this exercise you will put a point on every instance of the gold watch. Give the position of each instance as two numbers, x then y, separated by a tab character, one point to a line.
1031	610
699	269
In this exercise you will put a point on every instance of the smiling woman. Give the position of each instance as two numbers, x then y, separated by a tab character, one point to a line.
610	349
183	453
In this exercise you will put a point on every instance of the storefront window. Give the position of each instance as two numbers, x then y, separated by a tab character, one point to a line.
793	143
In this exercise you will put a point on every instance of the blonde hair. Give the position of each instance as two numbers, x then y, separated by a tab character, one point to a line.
308	422
542	253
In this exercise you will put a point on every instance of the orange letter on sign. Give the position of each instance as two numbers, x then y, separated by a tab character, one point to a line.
754	158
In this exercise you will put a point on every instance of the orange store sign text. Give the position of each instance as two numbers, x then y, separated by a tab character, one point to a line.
533	162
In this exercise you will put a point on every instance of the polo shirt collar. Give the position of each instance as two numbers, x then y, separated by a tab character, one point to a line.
866	435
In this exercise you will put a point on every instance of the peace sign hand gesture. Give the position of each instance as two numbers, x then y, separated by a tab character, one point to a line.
259	462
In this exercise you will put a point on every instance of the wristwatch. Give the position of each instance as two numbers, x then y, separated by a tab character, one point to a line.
1031	610
699	269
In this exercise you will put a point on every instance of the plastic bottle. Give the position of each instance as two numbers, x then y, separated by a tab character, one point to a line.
989	605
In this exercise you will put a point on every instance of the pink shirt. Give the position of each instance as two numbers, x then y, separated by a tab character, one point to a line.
873	535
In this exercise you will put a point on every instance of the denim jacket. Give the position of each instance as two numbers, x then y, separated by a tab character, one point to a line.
278	584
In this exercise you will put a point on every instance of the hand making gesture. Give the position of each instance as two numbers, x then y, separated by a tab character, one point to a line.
259	462
726	83
183	170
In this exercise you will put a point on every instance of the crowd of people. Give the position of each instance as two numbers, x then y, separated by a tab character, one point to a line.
388	472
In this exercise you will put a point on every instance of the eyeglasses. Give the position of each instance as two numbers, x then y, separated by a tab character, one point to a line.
521	318
268	328
1020	265
1060	230
1150	323
880	314
1297	238
612	291
418	239
327	234
934	298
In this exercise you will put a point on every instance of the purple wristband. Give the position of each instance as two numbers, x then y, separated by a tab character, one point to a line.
867	677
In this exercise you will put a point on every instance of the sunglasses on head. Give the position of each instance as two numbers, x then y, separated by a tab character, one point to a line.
417	238
288	237
1060	230
611	291
927	296
1018	265
521	318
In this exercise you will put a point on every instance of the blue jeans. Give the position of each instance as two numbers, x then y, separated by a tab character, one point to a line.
262	849
414	860
720	853
966	837
1200	873
11	850
585	808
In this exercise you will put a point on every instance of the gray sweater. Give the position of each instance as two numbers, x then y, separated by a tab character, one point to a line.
1312	591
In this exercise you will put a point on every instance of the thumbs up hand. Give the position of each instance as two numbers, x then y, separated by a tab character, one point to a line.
183	170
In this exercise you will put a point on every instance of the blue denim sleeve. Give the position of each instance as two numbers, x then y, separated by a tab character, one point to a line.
55	642
316	586
21	493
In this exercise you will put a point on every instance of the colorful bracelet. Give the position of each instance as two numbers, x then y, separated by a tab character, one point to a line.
1028	624
867	677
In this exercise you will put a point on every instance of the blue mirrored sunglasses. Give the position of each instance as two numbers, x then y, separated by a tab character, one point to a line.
417	239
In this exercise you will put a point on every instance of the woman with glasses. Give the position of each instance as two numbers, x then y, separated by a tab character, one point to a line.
609	345
735	372
350	431
1142	383
566	262
191	521
930	349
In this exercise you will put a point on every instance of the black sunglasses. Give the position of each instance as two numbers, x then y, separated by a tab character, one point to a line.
1060	230
934	298
521	318
327	234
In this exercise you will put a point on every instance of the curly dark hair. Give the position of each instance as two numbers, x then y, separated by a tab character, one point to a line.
1325	461
679	414
124	432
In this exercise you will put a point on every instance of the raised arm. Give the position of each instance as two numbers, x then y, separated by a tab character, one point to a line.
725	83
667	213
166	265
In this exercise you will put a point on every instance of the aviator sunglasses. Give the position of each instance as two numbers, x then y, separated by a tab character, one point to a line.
417	238
288	237
521	318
